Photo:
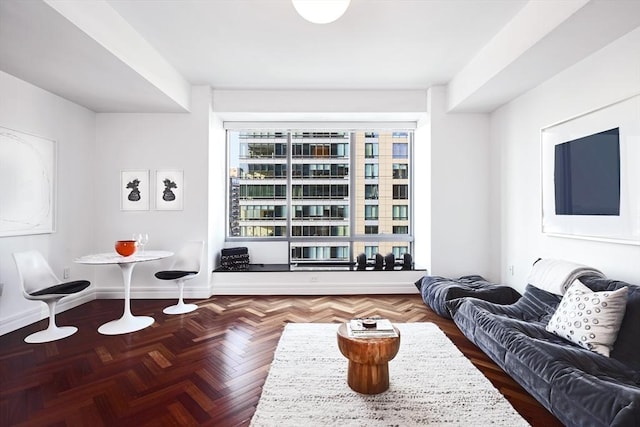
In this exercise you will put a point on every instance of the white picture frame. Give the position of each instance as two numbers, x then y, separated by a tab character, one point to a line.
623	228
134	190
169	190
28	175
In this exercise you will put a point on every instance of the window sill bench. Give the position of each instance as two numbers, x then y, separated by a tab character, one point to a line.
280	279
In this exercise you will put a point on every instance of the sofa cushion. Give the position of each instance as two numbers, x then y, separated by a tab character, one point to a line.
437	291
589	319
535	305
627	346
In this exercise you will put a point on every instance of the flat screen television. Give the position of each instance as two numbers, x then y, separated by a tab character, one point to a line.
587	175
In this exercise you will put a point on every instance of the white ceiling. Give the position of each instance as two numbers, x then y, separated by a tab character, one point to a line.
250	44
265	44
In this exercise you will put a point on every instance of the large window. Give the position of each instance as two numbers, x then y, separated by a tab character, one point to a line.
331	194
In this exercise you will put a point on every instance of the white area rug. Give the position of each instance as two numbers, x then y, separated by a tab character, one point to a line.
431	383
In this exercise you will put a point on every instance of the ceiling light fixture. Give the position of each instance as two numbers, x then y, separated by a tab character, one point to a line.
321	11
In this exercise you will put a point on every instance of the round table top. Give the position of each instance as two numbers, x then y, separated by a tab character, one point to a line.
367	350
115	258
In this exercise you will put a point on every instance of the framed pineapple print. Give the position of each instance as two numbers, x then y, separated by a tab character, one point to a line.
134	190
169	190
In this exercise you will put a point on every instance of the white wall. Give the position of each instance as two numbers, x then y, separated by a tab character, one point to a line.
153	142
338	105
461	231
217	190
451	161
352	108
422	196
605	77
29	109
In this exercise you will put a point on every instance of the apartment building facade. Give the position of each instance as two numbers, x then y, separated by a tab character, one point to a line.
331	194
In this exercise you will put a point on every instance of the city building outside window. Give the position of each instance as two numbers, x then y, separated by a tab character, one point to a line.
303	186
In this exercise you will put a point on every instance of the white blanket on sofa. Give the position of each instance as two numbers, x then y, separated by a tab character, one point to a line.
556	275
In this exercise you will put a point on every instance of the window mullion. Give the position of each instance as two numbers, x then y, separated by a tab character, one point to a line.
352	199
289	192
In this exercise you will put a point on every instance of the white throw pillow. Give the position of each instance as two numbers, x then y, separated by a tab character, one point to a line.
589	319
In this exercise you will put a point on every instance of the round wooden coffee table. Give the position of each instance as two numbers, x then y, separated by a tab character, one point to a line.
368	360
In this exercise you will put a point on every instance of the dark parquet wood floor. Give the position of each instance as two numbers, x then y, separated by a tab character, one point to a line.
202	368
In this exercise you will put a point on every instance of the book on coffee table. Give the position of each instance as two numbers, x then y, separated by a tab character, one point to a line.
382	328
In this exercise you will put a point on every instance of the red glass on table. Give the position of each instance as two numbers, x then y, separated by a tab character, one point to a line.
126	247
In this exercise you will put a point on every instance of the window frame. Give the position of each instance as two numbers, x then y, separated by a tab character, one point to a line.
353	236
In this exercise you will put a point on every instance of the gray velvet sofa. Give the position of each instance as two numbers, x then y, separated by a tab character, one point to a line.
580	387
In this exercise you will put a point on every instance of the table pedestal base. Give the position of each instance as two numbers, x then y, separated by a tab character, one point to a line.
125	324
369	358
368	379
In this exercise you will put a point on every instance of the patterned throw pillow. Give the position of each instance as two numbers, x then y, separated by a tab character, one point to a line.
589	319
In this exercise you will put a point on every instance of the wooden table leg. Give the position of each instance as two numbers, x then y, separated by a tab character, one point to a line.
368	379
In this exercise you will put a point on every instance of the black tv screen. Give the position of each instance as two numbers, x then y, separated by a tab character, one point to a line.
587	175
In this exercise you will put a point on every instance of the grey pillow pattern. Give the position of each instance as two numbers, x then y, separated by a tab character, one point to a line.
589	319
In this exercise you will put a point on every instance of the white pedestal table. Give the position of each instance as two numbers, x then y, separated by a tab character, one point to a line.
128	322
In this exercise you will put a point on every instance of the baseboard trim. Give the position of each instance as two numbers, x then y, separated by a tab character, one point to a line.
116	292
243	283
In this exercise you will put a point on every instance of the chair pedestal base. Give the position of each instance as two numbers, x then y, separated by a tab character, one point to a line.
51	334
127	323
180	308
